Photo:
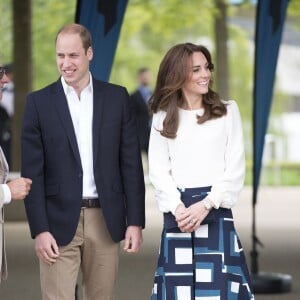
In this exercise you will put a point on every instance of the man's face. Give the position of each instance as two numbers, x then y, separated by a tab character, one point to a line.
4	79
72	60
145	78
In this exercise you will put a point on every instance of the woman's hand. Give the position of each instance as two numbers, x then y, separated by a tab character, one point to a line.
190	218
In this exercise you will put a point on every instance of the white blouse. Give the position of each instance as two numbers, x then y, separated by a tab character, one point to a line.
208	154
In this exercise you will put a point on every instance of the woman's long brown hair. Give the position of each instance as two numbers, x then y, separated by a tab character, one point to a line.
167	96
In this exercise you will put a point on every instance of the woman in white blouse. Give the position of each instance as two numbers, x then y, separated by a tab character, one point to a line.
197	167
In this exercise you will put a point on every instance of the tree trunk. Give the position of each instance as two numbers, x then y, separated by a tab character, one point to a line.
221	38
22	59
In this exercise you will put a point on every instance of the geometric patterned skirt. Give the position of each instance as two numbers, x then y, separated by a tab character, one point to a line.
208	264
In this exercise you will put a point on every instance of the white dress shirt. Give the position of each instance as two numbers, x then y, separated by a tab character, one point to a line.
208	154
81	111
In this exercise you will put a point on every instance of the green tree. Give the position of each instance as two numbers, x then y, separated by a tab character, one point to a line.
293	13
221	44
151	27
27	37
6	31
48	17
22	71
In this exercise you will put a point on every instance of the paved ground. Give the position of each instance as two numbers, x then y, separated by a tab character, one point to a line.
278	228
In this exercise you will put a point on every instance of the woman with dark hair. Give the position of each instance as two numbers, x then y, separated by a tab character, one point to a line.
197	167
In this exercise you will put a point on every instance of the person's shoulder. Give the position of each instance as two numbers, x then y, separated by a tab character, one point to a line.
135	93
107	85
160	113
159	117
233	111
229	102
231	105
54	86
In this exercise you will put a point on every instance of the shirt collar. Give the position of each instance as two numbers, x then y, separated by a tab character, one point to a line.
68	89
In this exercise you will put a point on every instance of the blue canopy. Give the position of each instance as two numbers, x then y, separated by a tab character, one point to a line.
103	19
269	25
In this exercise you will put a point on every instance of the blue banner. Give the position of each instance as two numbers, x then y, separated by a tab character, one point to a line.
269	25
103	19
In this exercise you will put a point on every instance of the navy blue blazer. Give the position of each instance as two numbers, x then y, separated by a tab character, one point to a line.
50	157
142	119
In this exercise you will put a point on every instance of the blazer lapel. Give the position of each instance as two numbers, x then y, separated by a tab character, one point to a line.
60	102
97	115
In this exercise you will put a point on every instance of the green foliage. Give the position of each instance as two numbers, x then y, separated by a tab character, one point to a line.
275	174
48	17
151	27
241	70
293	12
5	32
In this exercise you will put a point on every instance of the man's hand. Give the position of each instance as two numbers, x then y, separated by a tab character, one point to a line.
46	248
19	188
133	239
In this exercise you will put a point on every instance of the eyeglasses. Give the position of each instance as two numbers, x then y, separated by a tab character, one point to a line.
2	72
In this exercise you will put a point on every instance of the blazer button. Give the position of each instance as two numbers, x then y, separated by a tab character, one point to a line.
80	175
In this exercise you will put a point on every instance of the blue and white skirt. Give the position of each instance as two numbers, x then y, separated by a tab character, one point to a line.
208	264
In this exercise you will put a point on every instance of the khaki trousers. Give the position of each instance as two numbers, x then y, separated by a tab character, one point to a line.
92	250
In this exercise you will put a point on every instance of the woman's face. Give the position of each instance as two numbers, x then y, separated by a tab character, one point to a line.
198	81
4	79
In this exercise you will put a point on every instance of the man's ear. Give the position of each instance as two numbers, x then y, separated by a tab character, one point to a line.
90	53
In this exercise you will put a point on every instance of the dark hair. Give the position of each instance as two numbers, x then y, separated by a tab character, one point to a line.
142	70
77	29
167	96
8	68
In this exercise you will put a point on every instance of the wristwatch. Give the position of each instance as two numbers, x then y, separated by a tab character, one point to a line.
207	204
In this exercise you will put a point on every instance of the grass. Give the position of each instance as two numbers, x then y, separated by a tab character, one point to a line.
275	174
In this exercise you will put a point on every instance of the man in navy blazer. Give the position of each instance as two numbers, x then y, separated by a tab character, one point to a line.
80	148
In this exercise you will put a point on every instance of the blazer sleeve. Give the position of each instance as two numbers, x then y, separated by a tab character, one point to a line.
131	166
33	167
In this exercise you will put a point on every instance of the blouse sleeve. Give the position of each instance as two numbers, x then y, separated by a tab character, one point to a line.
160	175
5	194
1	196
225	191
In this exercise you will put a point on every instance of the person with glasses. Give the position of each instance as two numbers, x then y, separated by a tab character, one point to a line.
16	189
6	113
